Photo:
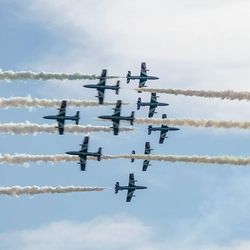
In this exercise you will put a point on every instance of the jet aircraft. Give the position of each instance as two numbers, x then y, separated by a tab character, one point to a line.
143	77
153	104
147	151
101	86
164	129
131	187
83	153
61	117
116	117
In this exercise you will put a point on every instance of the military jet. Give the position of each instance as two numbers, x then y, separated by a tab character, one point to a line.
83	153
101	86
61	117
153	104
164	129
116	117
143	77
131	187
147	151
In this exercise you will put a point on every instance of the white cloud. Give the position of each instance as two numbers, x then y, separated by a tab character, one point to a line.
117	232
203	34
189	44
114	232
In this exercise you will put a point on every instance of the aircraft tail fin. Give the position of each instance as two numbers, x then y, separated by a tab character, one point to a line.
128	76
149	129
117	184
77	117
139	103
118	87
133	153
132	118
99	154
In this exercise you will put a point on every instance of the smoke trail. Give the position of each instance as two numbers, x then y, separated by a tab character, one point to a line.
26	158
186	158
33	128
224	159
28	102
227	94
34	190
29	75
194	123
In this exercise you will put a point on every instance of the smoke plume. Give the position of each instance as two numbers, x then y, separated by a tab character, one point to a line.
34	190
26	158
29	75
28	102
195	123
58	158
33	128
227	94
224	159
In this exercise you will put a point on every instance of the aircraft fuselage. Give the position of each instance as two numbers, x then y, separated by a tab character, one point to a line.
164	129
144	78
58	117
153	104
130	188
116	118
79	153
96	86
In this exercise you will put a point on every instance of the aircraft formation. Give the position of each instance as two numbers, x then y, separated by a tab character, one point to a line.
116	118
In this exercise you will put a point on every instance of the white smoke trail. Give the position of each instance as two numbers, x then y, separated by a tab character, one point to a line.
57	158
28	102
186	158
227	94
29	75
34	190
26	158
195	123
33	128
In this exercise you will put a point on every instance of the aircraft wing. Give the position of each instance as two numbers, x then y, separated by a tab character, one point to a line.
162	136
147	148
117	113
60	126
100	95
151	111
83	160
116	124
131	181
117	109
143	74
145	165
102	81
62	109
85	144
143	69
130	194
142	83
153	98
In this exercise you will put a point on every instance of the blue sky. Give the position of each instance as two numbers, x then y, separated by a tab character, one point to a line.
188	44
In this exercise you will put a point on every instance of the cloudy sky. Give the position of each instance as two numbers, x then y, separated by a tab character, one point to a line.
189	44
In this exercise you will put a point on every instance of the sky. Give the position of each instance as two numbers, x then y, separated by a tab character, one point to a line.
189	44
